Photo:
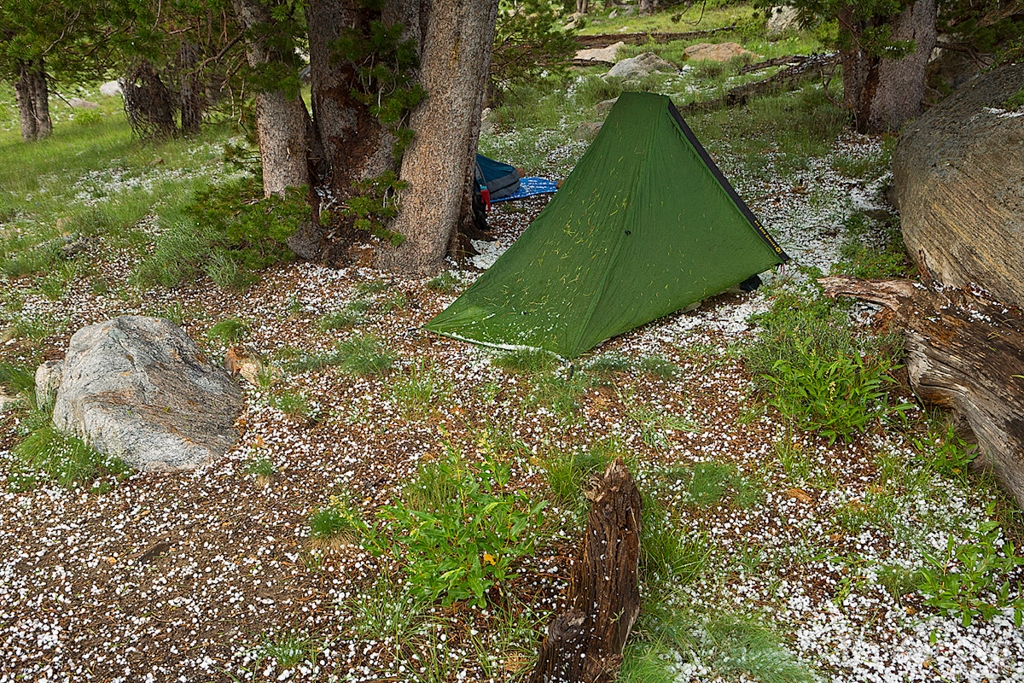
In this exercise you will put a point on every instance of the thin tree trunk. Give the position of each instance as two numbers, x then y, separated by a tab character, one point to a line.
647	6
190	96
885	93
41	102
280	115
23	94
456	60
32	97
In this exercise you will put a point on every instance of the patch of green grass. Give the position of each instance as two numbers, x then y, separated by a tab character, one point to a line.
1014	101
446	283
228	331
510	642
666	556
395	301
289	650
387	611
339	320
364	356
710	482
335	524
292	404
17	379
560	394
655	423
48	454
873	250
785	129
262	468
567	473
419	391
372	287
525	361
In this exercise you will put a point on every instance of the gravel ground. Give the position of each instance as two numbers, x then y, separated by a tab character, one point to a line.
200	576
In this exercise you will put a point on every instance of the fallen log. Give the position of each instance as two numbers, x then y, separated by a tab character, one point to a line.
785	79
606	39
584	644
785	60
964	352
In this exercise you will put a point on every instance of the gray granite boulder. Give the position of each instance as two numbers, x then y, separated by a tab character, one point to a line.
639	66
139	389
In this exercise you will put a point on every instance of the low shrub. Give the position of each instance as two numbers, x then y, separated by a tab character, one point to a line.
228	232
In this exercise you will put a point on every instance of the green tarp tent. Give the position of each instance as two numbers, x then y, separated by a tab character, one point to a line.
645	225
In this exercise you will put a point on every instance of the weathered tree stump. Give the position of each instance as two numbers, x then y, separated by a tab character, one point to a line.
964	352
584	644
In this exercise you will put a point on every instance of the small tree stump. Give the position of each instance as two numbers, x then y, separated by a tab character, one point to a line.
965	352
584	644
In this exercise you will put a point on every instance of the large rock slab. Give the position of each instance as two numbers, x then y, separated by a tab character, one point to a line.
639	66
957	171
139	389
599	55
716	52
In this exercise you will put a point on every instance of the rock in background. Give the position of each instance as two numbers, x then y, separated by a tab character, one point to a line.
717	52
139	389
958	173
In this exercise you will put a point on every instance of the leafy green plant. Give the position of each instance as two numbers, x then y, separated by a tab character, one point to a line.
944	452
834	396
336	524
459	546
228	331
810	366
970	579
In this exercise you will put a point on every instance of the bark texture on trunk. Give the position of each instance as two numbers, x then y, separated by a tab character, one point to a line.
965	353
455	63
280	116
585	643
32	96
884	93
190	96
355	145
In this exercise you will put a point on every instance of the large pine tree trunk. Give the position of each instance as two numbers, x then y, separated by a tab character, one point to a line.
33	102
280	115
884	93
456	59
